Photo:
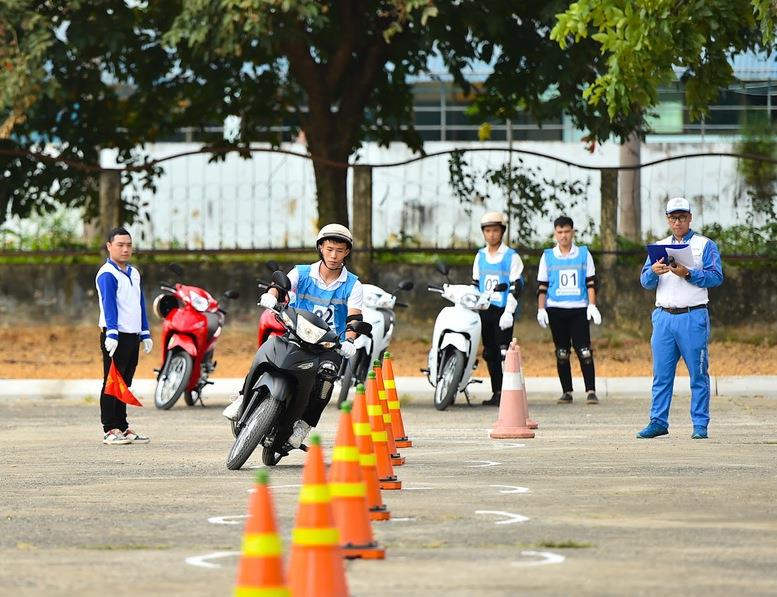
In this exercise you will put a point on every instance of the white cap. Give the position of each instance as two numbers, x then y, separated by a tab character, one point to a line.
678	204
493	218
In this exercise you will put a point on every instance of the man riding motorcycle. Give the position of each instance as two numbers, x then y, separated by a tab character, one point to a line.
329	290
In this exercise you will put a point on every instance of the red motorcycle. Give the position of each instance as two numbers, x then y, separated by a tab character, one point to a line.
192	322
269	324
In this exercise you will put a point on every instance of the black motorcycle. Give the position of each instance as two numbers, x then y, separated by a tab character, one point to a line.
284	372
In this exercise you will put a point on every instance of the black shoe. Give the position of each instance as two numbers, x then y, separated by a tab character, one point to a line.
592	399
494	400
566	398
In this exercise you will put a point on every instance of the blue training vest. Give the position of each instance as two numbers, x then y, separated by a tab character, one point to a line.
492	274
566	277
329	305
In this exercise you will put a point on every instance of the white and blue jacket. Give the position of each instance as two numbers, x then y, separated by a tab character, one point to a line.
122	306
674	291
567	276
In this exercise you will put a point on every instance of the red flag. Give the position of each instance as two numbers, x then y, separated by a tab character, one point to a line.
115	386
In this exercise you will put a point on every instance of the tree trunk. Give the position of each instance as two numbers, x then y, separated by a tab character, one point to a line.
331	194
630	204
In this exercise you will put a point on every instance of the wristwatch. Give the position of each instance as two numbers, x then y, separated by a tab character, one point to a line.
688	276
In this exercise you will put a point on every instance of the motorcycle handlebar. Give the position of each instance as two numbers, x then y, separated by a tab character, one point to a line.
398	304
434	288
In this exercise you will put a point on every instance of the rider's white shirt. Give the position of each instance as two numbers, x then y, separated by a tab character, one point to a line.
356	298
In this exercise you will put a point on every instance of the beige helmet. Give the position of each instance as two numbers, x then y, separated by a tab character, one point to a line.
494	218
335	232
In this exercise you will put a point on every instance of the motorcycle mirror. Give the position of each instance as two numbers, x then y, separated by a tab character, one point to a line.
405	285
281	280
442	267
176	269
360	327
273	266
500	287
232	294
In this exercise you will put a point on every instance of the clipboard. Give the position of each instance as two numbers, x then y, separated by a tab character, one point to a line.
656	252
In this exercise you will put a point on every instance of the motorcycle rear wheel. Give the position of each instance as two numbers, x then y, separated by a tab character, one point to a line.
258	425
175	377
452	368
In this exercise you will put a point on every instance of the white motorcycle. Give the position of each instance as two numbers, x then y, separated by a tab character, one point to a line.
378	311
456	339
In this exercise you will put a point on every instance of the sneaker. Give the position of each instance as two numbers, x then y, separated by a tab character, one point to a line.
299	433
114	437
653	429
699	432
566	398
494	400
232	412
136	438
592	398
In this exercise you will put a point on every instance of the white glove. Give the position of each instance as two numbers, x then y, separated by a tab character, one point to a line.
110	345
268	300
506	321
542	318
593	313
148	344
347	349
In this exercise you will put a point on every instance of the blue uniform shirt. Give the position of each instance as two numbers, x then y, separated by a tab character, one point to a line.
331	304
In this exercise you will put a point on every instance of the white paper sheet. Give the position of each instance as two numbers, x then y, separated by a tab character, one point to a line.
682	256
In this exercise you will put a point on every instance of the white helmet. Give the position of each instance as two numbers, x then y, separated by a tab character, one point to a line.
335	232
494	218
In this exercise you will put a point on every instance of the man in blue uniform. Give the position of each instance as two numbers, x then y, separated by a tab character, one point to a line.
566	300
329	290
681	322
124	325
497	263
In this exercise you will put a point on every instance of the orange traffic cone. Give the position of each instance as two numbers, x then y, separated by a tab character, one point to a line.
512	408
349	494
396	457
367	458
260	571
397	425
530	423
386	475
316	561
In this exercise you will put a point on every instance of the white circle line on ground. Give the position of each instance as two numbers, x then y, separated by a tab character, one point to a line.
510	517
417	488
227	519
485	463
203	561
512	489
406	519
253	489
547	558
508	446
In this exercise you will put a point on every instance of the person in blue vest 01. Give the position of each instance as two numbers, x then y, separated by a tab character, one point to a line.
681	322
123	327
329	290
497	263
566	300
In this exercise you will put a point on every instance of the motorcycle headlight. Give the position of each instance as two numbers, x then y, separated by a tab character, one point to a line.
198	302
469	301
308	332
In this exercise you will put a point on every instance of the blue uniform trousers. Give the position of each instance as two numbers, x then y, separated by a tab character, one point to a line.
674	336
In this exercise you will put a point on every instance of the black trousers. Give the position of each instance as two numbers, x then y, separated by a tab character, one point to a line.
321	393
113	411
494	341
570	328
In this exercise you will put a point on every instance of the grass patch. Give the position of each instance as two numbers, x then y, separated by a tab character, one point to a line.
89	400
566	544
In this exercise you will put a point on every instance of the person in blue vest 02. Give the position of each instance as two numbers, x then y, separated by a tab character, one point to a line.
123	327
681	322
329	290
566	300
497	263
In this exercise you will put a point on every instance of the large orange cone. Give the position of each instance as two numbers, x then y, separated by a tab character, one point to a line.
260	571
530	423
396	457
367	458
397	425
349	494
512	408
316	562
386	475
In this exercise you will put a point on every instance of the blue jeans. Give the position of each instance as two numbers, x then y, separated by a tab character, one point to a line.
674	336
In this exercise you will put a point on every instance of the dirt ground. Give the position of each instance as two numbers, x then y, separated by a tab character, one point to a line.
582	509
60	352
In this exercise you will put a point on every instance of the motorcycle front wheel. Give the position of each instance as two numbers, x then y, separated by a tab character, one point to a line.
258	425
270	457
174	378
452	369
